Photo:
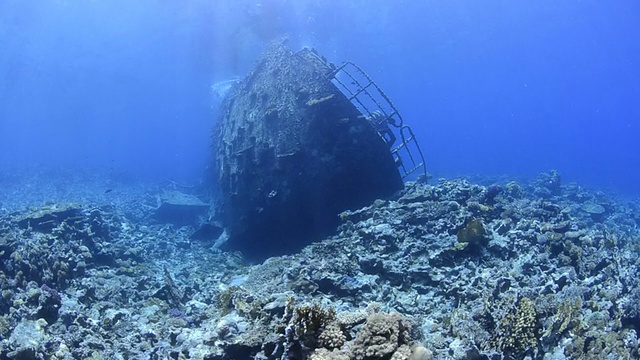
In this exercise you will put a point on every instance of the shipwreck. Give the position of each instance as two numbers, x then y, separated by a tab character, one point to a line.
300	140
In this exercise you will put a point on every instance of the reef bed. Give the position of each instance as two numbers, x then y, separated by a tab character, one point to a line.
453	270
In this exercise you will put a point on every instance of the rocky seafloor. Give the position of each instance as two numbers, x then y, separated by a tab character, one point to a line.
453	270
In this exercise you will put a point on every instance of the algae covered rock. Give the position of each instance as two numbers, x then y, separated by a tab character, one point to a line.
180	209
472	235
595	210
27	338
47	218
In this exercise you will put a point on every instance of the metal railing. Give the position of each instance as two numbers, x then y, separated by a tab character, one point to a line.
376	106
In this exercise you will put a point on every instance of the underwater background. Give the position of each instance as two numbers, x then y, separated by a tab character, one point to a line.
162	197
491	88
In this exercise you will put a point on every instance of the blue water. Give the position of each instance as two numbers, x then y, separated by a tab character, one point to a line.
491	87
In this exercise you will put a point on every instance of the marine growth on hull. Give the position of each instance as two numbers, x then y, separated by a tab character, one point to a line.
295	146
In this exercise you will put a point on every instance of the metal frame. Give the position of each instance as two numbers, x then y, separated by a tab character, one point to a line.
369	98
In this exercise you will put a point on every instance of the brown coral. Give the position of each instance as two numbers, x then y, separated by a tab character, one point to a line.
381	336
332	336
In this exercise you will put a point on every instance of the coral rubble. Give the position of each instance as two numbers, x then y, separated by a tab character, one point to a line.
448	271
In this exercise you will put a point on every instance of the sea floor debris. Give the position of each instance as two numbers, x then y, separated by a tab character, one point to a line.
454	270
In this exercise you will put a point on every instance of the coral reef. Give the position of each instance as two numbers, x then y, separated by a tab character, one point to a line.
550	277
383	336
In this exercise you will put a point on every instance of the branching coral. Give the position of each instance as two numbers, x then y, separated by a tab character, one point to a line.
310	319
319	333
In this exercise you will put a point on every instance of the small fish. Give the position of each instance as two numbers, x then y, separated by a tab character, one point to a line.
108	191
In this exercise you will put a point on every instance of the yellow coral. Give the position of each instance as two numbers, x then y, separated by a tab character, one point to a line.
520	329
566	312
